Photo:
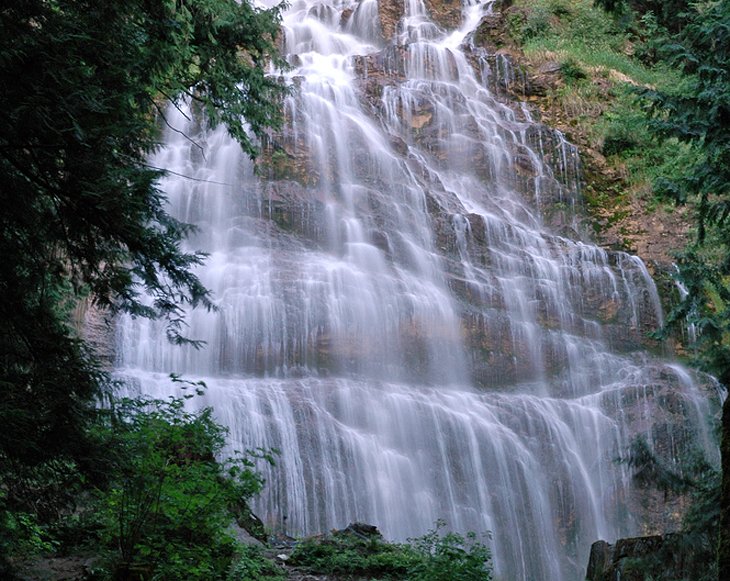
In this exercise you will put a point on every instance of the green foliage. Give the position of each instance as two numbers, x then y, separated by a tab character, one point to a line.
82	84
164	508
572	71
670	14
436	556
20	535
170	501
534	23
626	134
450	556
614	6
697	113
349	555
253	565
578	33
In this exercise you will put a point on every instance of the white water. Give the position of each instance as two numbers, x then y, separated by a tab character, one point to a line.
397	316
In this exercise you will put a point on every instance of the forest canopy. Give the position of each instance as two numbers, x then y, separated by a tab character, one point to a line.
83	86
83	89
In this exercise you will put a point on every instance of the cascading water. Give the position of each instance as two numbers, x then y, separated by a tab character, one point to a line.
397	314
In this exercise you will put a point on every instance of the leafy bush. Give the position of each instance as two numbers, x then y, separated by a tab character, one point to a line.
344	554
21	535
450	556
252	565
170	501
571	70
436	556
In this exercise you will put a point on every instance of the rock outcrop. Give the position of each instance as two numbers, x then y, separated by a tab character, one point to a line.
634	559
445	13
390	15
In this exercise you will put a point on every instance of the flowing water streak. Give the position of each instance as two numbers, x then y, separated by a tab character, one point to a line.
396	314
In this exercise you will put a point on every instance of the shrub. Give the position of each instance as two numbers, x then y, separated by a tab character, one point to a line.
252	565
170	501
572	71
450	556
436	556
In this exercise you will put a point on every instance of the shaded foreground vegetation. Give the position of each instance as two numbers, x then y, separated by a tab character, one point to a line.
436	556
81	90
164	509
169	510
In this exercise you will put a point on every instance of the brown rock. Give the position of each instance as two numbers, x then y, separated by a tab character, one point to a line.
446	13
670	560
390	12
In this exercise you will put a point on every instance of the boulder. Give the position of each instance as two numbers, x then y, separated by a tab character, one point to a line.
631	559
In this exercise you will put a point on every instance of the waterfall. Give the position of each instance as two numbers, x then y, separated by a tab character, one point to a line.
407	307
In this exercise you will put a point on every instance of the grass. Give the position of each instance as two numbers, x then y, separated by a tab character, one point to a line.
595	99
575	30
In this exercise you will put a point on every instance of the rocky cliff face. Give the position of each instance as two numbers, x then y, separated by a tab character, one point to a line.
544	168
614	295
630	559
540	164
631	223
411	304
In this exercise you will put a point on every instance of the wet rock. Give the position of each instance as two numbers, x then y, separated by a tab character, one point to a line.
388	65
390	12
345	16
68	568
491	32
360	530
545	79
284	157
600	560
655	407
419	120
446	13
623	560
97	329
248	527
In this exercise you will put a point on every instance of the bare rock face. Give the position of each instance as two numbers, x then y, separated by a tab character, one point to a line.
96	329
376	71
546	78
390	12
71	568
656	408
622	561
446	13
491	32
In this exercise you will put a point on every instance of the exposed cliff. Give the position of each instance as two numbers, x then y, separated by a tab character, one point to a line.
573	72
